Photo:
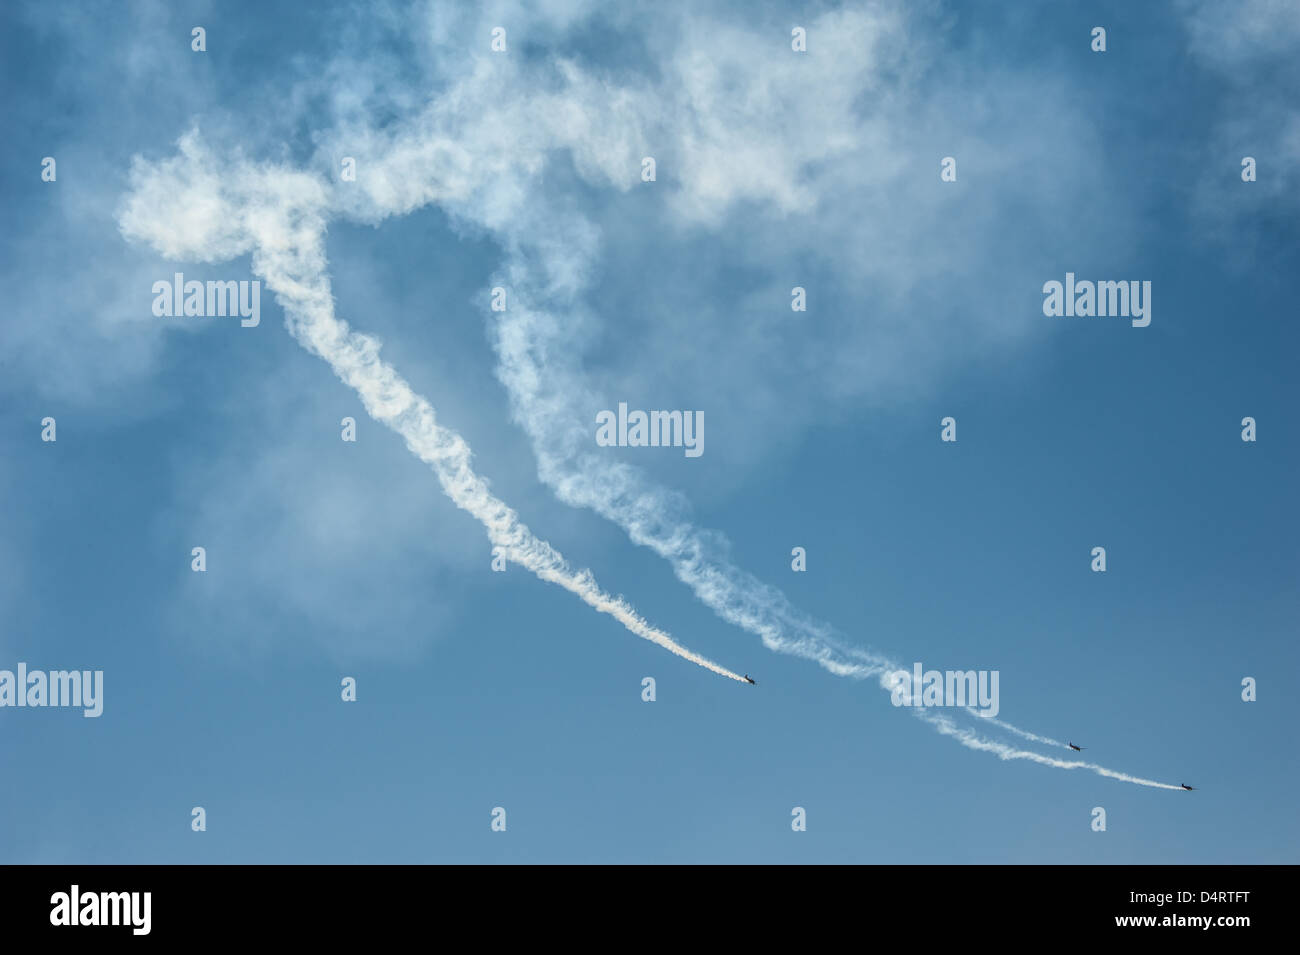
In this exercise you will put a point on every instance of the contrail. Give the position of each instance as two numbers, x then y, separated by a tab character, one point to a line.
476	151
654	517
539	349
287	251
1023	734
972	740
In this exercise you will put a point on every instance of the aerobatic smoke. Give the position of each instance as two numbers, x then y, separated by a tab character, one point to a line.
972	740
476	150
1023	734
274	213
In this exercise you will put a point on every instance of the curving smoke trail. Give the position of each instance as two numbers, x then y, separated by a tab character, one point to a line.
276	215
546	388
972	740
476	150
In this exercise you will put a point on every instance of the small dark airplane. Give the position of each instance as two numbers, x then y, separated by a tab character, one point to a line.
748	680
1075	748
1187	787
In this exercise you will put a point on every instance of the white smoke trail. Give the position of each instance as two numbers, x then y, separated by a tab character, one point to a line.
1023	734
476	151
651	516
972	740
655	518
287	251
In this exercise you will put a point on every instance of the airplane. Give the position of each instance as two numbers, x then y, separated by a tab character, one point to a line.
1187	787
1073	747
748	680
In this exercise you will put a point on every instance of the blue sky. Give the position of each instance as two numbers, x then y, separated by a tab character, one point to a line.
479	689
